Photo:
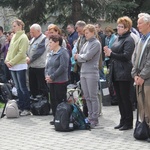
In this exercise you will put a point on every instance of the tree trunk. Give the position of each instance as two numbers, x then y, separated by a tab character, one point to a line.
76	10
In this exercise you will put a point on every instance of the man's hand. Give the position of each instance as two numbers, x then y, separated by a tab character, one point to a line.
138	80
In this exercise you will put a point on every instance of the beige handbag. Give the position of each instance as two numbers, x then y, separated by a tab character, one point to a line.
12	110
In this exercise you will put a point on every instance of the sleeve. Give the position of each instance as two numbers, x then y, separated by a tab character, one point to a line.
40	50
91	51
23	47
64	62
127	50
145	72
46	70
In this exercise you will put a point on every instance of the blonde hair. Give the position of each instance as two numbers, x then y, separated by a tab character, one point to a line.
109	29
91	28
126	21
19	23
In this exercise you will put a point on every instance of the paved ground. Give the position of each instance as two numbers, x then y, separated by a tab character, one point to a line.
35	133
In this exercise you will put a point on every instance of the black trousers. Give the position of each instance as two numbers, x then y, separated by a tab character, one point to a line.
74	77
58	94
37	82
125	105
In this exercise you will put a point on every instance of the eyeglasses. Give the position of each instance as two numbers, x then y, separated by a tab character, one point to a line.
120	27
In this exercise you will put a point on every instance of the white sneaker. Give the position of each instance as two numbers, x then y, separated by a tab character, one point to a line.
25	113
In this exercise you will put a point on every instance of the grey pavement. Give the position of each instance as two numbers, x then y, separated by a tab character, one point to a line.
35	133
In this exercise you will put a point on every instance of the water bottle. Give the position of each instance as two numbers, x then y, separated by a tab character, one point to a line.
71	123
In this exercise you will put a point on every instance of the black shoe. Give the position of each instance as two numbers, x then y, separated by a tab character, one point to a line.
125	127
148	140
118	126
51	122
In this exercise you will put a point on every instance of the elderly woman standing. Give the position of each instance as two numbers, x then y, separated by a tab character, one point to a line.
16	62
56	72
89	74
120	56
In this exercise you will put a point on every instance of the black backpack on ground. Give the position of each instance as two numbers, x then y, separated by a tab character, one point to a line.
69	117
5	92
5	95
40	106
62	117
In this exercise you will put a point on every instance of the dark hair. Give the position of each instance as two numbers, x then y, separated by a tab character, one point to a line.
99	24
1	28
56	38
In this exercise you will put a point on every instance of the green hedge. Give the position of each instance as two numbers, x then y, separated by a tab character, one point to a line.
1	105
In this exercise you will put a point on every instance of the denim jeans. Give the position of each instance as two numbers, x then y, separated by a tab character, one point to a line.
19	78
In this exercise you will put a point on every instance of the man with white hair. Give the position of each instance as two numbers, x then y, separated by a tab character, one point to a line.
141	68
37	60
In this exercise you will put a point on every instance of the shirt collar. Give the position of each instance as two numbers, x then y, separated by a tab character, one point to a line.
144	37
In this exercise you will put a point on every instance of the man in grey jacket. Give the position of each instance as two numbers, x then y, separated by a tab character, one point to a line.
141	69
2	42
37	60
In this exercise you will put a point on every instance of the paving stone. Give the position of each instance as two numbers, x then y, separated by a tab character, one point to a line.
35	133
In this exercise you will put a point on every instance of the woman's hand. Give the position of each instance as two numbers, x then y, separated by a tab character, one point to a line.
28	60
107	51
48	79
8	64
75	56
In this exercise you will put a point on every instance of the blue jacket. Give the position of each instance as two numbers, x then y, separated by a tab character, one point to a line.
72	37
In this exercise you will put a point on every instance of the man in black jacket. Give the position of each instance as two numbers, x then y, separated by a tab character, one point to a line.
102	40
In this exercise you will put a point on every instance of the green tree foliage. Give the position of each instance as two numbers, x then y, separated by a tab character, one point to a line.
30	11
69	11
131	8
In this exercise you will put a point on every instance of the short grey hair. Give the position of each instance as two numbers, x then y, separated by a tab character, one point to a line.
80	23
36	27
145	16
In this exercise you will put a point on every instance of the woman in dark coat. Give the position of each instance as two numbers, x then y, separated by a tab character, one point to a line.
121	66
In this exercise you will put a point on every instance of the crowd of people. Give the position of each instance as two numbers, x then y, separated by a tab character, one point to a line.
50	61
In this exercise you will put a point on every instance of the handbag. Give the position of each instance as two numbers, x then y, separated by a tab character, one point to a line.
40	106
110	73
141	131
